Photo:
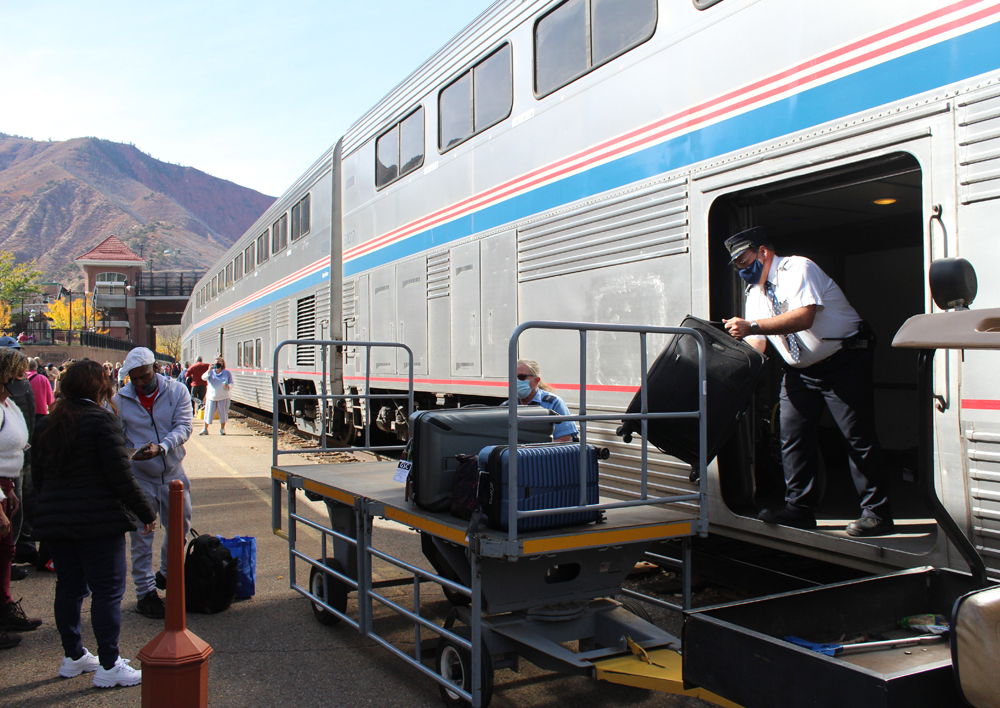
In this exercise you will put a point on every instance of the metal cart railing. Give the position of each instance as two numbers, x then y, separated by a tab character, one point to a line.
507	591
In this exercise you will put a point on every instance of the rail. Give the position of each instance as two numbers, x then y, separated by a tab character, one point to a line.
644	416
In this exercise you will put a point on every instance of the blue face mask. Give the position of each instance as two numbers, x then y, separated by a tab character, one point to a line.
752	272
523	389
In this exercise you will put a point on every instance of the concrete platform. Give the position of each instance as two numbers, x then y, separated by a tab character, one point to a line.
269	650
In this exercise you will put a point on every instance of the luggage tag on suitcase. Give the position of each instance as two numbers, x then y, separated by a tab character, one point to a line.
402	471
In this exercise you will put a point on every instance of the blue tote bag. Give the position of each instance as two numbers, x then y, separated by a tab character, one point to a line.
244	549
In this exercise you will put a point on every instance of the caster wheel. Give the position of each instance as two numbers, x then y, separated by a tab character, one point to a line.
337	597
454	663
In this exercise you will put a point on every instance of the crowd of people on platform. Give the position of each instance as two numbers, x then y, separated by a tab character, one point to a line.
87	454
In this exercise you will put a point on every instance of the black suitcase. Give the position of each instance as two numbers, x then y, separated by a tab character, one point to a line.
548	477
437	436
672	386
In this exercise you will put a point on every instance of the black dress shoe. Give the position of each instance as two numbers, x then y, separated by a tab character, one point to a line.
785	516
18	573
870	526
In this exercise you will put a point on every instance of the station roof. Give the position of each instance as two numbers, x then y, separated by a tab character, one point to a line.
109	251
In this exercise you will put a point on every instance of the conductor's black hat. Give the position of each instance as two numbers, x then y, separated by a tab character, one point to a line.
751	238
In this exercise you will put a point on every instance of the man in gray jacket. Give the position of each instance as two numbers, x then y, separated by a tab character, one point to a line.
156	419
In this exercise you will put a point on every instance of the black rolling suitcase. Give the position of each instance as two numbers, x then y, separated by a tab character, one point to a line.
672	386
438	436
548	477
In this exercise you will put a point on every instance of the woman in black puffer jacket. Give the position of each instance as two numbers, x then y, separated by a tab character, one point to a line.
87	501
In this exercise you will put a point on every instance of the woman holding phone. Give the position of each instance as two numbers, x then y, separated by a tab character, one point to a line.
87	499
219	382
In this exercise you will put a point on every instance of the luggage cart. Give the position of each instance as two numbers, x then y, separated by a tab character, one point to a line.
516	595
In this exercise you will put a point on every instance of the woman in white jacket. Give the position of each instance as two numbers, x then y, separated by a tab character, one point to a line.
219	382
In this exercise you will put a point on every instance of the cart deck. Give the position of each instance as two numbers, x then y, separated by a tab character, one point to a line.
373	481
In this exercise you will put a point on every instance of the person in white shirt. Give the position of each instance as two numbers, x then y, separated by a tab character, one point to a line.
827	357
219	382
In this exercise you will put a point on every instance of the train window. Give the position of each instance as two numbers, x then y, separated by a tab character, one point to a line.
479	98
222	280
400	150
259	352
238	267
580	35
204	293
239	356
300	218
279	234
215	286
248	264
229	275
262	246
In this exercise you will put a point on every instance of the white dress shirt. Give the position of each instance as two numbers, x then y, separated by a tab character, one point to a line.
798	282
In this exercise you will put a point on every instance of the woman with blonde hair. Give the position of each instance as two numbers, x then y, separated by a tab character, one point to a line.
532	391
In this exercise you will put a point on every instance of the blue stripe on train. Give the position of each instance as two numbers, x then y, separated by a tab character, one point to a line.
941	64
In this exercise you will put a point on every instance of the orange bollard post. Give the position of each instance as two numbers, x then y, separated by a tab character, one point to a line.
175	663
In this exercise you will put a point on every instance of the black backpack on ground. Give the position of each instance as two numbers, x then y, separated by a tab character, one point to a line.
210	575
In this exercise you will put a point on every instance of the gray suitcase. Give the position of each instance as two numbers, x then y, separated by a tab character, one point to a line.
437	436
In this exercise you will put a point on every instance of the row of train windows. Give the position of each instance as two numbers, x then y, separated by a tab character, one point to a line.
273	240
248	354
570	40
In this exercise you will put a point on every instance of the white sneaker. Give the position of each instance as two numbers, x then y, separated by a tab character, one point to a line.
71	668
121	674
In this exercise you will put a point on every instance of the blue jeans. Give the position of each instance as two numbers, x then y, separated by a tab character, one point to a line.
97	567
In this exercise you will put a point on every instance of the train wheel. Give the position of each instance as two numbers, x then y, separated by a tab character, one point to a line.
337	598
454	664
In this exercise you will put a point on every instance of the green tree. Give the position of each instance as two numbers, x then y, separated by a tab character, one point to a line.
17	281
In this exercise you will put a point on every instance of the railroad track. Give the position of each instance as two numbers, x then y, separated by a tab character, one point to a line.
289	437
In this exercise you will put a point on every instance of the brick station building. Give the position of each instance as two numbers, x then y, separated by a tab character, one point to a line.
112	271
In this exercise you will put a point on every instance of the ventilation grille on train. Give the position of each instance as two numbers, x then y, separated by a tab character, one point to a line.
350	306
979	147
983	443
305	328
438	277
635	226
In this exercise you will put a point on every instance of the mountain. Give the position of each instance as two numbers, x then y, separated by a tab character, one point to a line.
60	199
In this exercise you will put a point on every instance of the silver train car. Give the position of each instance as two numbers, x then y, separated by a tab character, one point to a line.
584	160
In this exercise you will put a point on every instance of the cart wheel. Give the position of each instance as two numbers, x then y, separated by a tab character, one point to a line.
454	664
338	592
456	599
636	608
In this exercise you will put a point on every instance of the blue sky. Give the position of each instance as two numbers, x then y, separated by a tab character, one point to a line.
252	92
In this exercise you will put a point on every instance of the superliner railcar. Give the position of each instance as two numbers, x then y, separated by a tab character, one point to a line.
584	160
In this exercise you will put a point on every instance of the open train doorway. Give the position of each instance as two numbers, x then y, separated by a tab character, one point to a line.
863	225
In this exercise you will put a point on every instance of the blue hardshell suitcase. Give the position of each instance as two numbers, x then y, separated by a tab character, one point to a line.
548	477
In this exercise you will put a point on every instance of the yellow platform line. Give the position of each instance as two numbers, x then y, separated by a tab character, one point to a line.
665	673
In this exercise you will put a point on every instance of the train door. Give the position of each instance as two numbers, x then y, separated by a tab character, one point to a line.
466	288
383	304
498	284
864	221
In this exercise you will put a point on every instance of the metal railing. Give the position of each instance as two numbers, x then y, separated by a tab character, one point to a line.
644	416
323	396
167	283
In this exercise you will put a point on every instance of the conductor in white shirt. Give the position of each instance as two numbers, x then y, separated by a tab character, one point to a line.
827	359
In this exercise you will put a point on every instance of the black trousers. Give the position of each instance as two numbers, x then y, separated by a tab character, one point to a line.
97	567
842	383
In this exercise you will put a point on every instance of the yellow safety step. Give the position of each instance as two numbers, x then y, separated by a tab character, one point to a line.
656	669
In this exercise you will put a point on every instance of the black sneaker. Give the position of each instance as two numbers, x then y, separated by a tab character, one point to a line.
18	573
9	641
786	516
150	605
870	526
13	619
161	581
